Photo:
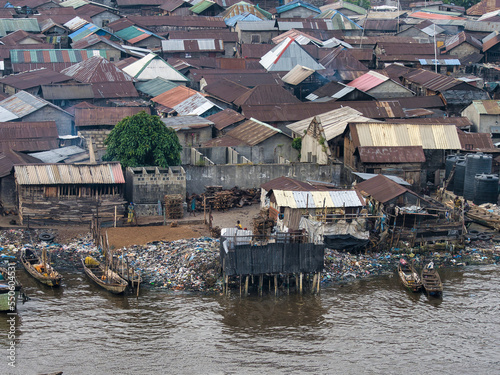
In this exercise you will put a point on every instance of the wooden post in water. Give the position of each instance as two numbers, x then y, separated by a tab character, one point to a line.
261	283
319	282
296	283
246	286
287	283
300	287
138	283
240	286
314	282
275	285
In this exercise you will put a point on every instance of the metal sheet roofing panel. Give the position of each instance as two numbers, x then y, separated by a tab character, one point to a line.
155	86
322	199
253	132
368	81
409	154
303	199
346	198
297	75
58	174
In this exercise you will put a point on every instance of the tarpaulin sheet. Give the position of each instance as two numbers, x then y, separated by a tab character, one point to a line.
345	242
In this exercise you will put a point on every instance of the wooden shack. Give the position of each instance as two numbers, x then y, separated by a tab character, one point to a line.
69	192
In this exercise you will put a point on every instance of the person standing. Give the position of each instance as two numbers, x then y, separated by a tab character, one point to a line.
193	206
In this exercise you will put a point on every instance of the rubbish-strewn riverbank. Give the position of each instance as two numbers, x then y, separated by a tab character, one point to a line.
193	264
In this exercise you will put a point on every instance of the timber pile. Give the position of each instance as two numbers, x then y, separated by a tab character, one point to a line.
262	225
173	206
80	210
223	200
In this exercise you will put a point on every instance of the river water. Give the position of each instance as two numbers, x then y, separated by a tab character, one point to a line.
368	326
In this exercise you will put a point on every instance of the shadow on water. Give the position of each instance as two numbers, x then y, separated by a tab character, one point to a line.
270	312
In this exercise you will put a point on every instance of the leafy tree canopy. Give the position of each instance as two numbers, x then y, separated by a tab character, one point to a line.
143	140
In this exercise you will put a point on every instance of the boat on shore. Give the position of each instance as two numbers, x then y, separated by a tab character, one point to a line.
409	277
10	289
103	276
39	268
431	280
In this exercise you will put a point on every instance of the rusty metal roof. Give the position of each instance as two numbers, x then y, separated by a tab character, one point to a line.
381	188
73	174
487	107
253	132
318	198
266	94
226	90
34	78
195	105
225	118
341	58
434	137
175	96
380	24
94	39
409	154
492	41
107	90
475	141
133	3
388	48
289	184
28	136
18	36
179	21
96	69
483	7
460	38
9	158
459	122
67	91
105	115
430	80
225	35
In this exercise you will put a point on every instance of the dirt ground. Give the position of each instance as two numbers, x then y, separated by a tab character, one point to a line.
139	235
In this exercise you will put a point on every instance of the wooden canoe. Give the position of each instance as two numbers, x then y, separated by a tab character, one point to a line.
432	281
8	302
40	270
409	277
103	277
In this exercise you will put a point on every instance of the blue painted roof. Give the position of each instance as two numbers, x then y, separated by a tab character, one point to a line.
295	4
241	17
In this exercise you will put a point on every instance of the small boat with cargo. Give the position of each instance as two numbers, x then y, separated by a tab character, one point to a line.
39	267
103	276
409	277
431	280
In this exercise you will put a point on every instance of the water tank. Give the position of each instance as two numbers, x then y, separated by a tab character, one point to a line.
476	164
485	188
450	162
458	179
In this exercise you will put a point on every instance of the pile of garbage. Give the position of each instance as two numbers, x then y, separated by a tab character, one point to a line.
189	264
342	267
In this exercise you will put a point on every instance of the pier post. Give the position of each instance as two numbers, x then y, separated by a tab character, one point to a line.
275	285
261	284
300	287
288	282
246	286
296	283
240	286
314	282
319	282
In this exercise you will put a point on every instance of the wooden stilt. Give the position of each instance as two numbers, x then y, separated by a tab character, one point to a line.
275	285
288	281
269	285
296	283
261	284
314	282
300	287
240	286
224	284
246	286
319	283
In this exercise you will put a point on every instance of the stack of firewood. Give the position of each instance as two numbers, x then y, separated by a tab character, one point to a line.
262	225
222	200
173	206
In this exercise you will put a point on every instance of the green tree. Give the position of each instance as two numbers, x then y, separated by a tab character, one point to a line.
143	140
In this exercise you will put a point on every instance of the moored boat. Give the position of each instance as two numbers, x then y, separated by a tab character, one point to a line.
431	280
39	268
409	277
10	289
103	276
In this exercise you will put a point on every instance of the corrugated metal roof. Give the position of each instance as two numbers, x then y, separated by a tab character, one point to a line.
57	155
487	107
296	4
333	122
408	154
186	122
381	188
134	34
253	132
67	91
225	118
344	4
185	22
28	136
287	183
175	96
26	80
109	90
318	199
201	6
286	55
460	38
266	94
75	23
6	115
439	136
8	25
23	103
368	81
195	105
155	86
297	75
96	69
338	20
73	3
152	66
430	80
441	62
484	6
226	90
192	45
71	56
367	176
105	115
243	8
58	174
299	36
434	16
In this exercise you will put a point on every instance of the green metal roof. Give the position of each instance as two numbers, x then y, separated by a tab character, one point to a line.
155	87
8	25
201	6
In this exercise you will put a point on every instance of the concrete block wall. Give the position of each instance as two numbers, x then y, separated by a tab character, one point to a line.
98	137
150	184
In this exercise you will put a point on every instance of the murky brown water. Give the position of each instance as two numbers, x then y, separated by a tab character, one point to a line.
372	326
